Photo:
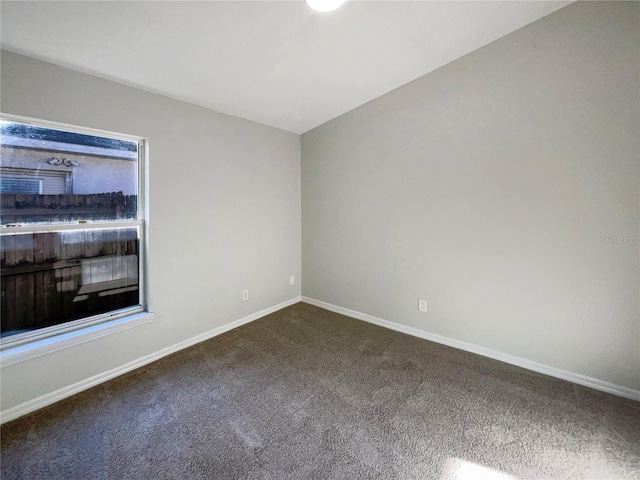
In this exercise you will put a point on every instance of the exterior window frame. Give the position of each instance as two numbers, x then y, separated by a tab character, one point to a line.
39	336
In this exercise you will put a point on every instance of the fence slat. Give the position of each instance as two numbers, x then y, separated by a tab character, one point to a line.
8	246
25	298
9	287
38	298
52	305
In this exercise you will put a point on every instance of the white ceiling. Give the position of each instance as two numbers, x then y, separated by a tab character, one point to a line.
277	63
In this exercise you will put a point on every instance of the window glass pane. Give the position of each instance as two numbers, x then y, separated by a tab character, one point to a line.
55	277
54	176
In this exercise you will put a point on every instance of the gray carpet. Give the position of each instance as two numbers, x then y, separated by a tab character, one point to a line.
309	394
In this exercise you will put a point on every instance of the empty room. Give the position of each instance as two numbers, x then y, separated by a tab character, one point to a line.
320	239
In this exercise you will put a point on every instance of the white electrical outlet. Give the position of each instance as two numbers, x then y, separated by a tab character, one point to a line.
422	305
292	280
245	295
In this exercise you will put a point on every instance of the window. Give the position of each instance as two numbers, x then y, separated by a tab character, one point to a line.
19	184
27	180
72	228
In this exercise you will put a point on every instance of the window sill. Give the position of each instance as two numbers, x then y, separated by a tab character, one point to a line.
38	348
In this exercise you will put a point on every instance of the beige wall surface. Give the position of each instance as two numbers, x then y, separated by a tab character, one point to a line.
504	189
224	215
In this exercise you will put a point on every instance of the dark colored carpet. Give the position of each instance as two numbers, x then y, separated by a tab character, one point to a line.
309	394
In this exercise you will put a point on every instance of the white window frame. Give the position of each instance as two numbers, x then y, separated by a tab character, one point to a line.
23	346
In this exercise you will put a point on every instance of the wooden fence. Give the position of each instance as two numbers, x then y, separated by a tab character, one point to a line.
52	278
20	208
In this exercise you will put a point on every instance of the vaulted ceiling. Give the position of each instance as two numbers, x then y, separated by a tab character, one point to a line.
277	63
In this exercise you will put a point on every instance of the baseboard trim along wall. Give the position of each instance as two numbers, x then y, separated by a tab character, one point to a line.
485	352
50	398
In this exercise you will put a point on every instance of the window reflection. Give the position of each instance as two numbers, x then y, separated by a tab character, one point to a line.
55	277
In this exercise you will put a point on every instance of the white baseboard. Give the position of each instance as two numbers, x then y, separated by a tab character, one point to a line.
485	352
50	398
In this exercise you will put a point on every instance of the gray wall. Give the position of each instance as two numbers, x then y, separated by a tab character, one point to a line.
224	213
487	187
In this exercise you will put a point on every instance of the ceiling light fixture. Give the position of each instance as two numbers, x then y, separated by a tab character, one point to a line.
324	5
